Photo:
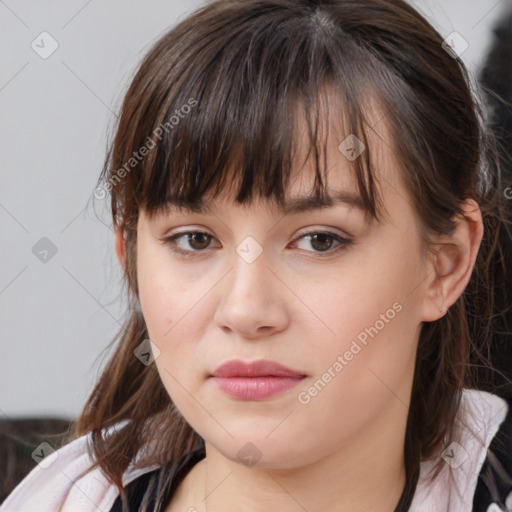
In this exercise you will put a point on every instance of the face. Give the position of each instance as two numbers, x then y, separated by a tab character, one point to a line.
324	292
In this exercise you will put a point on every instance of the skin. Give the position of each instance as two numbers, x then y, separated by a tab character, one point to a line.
343	450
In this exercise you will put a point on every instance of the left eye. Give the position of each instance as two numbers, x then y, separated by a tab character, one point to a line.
192	237
322	241
199	241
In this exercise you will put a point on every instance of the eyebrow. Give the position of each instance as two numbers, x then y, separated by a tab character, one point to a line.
293	206
307	203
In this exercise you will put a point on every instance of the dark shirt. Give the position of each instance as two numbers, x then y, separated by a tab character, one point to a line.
146	486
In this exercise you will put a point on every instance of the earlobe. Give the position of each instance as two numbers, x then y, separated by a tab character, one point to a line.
454	260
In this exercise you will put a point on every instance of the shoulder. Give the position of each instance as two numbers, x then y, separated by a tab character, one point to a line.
494	487
483	419
59	478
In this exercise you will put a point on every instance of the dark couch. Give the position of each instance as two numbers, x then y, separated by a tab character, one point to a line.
18	439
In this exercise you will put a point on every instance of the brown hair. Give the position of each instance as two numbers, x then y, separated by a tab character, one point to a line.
222	87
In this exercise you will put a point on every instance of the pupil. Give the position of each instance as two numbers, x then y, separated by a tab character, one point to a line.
321	235
196	235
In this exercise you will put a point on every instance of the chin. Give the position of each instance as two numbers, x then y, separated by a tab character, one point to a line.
261	452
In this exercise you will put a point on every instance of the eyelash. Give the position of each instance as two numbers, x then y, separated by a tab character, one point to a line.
343	243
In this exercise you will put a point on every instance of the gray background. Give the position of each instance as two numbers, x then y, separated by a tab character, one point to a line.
59	315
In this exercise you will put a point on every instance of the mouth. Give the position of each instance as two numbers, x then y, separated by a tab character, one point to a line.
257	380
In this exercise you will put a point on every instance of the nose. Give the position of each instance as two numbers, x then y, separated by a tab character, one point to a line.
253	302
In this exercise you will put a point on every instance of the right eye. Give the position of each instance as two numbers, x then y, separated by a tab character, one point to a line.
198	240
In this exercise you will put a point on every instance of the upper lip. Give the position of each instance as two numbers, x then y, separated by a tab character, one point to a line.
261	368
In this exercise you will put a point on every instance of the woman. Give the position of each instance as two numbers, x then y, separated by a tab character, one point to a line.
306	219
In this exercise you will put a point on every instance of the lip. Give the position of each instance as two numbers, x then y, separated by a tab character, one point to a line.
260	368
256	380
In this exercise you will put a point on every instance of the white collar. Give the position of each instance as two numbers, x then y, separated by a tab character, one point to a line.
454	488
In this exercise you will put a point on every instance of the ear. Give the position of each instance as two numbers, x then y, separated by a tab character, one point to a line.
453	262
120	247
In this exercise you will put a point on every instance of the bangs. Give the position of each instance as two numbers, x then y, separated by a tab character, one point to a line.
226	112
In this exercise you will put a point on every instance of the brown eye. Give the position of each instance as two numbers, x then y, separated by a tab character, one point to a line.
199	240
189	243
321	241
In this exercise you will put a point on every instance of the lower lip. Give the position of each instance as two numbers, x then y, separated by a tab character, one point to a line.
255	388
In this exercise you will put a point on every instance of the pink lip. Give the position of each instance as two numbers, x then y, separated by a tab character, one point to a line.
255	380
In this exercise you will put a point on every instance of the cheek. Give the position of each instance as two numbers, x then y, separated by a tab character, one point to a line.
355	381
158	302
370	342
369	293
176	312
164	296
